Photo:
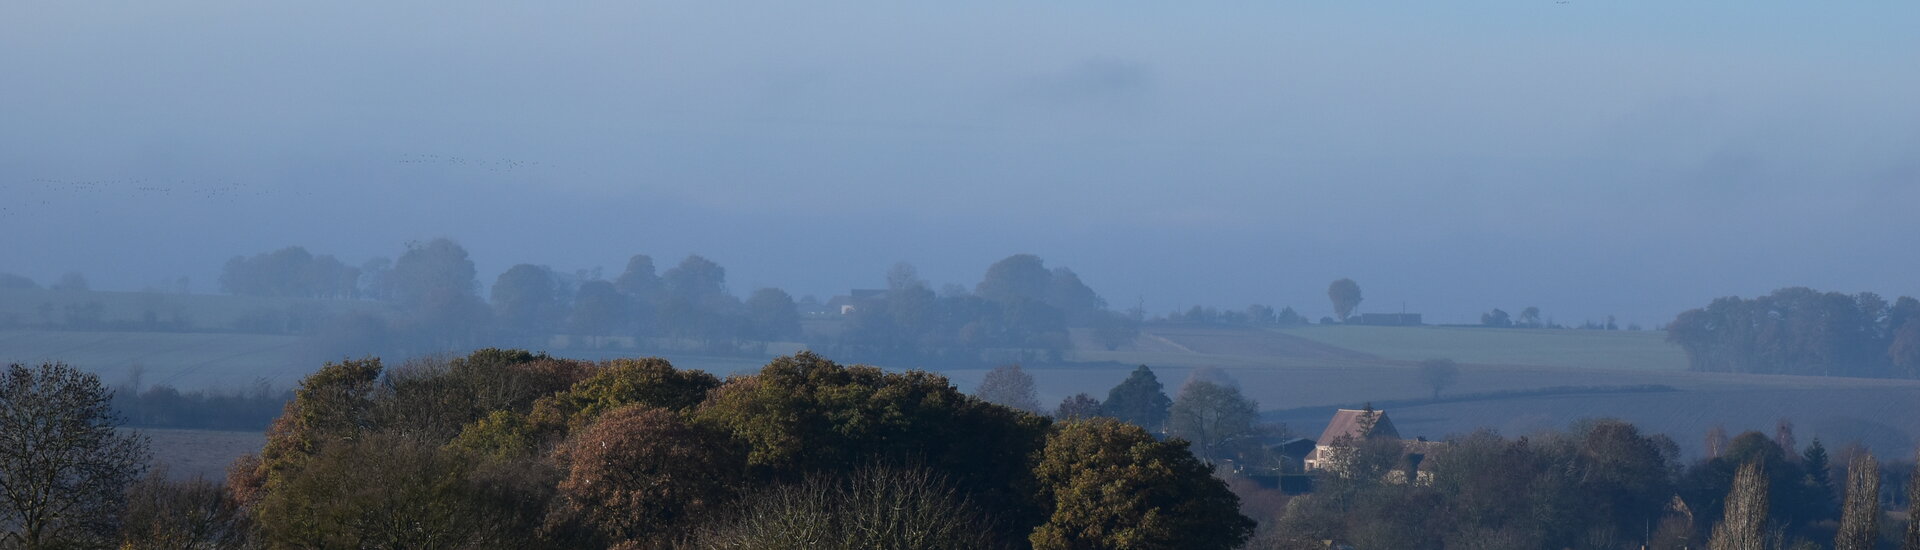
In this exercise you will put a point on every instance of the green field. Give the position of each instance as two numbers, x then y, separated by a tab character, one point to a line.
1302	374
1592	349
183	360
187	454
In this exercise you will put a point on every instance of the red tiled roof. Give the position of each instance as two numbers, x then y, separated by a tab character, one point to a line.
1346	422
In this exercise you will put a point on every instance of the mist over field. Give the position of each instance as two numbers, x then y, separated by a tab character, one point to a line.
668	274
1589	158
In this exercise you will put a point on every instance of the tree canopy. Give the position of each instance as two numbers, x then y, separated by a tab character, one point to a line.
1139	399
1345	295
63	465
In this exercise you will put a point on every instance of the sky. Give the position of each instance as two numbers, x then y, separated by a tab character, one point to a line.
1589	158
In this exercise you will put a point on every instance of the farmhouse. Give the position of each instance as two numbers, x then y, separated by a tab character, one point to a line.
1349	426
845	303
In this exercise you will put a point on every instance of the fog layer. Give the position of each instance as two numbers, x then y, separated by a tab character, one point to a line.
1588	158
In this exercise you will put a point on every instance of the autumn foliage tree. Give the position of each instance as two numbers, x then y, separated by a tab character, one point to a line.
1108	484
509	449
639	473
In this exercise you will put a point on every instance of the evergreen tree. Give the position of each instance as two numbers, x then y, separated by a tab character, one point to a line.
1819	483
1139	399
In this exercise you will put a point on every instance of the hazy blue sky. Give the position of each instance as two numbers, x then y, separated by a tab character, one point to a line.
1587	157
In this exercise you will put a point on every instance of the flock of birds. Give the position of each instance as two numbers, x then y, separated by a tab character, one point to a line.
496	165
201	189
46	190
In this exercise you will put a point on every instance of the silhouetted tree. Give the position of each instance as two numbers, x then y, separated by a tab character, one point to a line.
1260	314
1345	295
435	283
1011	386
1904	352
1065	292
599	309
1439	374
695	278
903	276
697	304
1496	319
772	315
1078	406
290	271
526	300
1140	399
1819	480
639	280
1529	317
426	270
1018	277
63	465
1288	316
1215	418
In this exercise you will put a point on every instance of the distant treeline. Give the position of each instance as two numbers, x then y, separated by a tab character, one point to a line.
1020	310
1802	331
164	406
1253	315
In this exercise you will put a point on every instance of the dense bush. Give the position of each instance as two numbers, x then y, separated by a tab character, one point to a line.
510	449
